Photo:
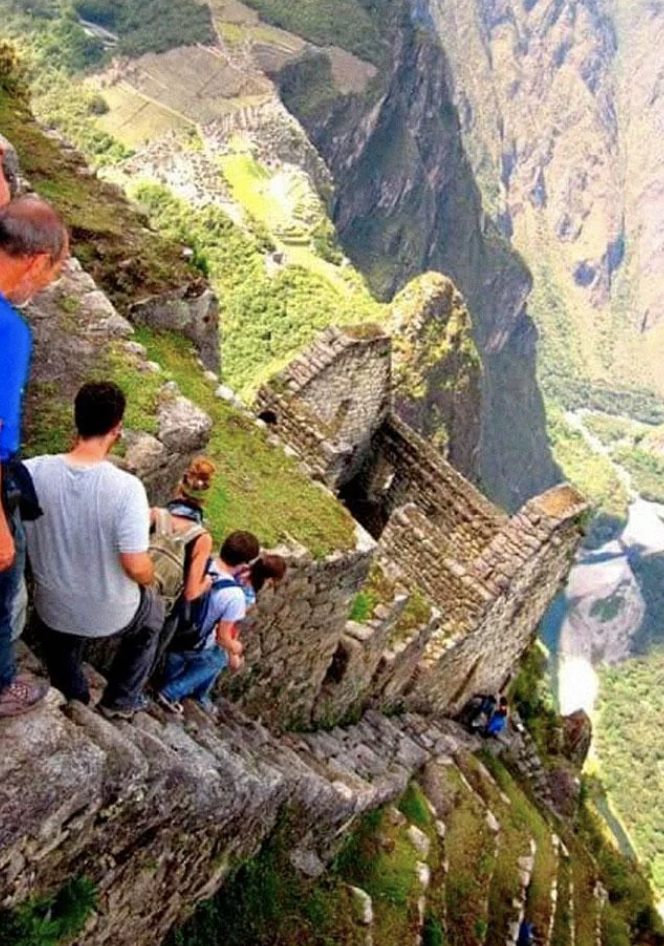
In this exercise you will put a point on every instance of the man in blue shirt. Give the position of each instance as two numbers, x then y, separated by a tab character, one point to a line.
33	246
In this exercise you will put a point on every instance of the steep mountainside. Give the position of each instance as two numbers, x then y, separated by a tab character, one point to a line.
407	200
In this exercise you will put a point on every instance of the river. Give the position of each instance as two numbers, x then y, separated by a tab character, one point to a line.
602	608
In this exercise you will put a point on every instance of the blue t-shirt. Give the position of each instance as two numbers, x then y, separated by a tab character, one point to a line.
15	346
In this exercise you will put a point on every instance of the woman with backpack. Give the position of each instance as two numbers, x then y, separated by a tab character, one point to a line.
181	546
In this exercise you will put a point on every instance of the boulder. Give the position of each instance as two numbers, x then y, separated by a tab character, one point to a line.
577	736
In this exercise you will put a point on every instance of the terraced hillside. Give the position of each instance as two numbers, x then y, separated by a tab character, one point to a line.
461	859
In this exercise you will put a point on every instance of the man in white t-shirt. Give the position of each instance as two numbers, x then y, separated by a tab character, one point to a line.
90	561
193	673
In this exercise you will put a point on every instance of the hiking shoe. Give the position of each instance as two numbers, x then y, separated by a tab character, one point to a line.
141	705
22	695
173	706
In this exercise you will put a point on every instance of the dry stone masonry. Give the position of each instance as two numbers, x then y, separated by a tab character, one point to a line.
489	578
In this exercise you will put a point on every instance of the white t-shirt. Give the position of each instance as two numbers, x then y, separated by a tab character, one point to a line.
91	515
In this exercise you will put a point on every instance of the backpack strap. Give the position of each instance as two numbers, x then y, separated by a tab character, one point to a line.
192	533
163	522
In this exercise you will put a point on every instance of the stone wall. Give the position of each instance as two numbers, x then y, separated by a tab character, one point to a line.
296	630
158	811
411	471
524	567
339	391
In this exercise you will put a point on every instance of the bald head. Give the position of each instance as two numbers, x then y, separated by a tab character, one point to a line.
30	227
33	246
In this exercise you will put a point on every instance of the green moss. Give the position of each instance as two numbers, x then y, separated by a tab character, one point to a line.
362	607
257	487
415	615
469	846
49	921
377	589
414	806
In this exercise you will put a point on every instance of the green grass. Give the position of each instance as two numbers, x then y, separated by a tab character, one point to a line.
514	842
380	859
257	487
469	845
52	920
526	816
562	923
267	903
414	806
49	427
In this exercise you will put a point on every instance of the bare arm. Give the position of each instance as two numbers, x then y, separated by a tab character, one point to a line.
225	637
198	582
138	566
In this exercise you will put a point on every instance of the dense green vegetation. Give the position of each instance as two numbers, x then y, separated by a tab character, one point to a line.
49	921
592	473
266	319
355	25
151	26
631	709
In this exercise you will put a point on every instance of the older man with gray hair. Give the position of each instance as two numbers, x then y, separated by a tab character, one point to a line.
33	246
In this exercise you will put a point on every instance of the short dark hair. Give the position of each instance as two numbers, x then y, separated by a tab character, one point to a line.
239	549
99	406
29	226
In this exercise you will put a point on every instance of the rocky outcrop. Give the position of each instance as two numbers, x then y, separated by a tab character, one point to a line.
437	369
192	314
406	202
78	336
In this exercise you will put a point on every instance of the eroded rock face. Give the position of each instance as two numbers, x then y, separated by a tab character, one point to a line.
577	737
194	315
437	368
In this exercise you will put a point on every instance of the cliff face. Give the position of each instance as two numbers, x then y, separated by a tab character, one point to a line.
407	202
559	101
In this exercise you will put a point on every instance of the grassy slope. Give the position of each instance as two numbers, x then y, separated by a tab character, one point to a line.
257	487
108	236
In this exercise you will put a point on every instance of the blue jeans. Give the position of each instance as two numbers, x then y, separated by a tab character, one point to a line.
11	585
193	673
